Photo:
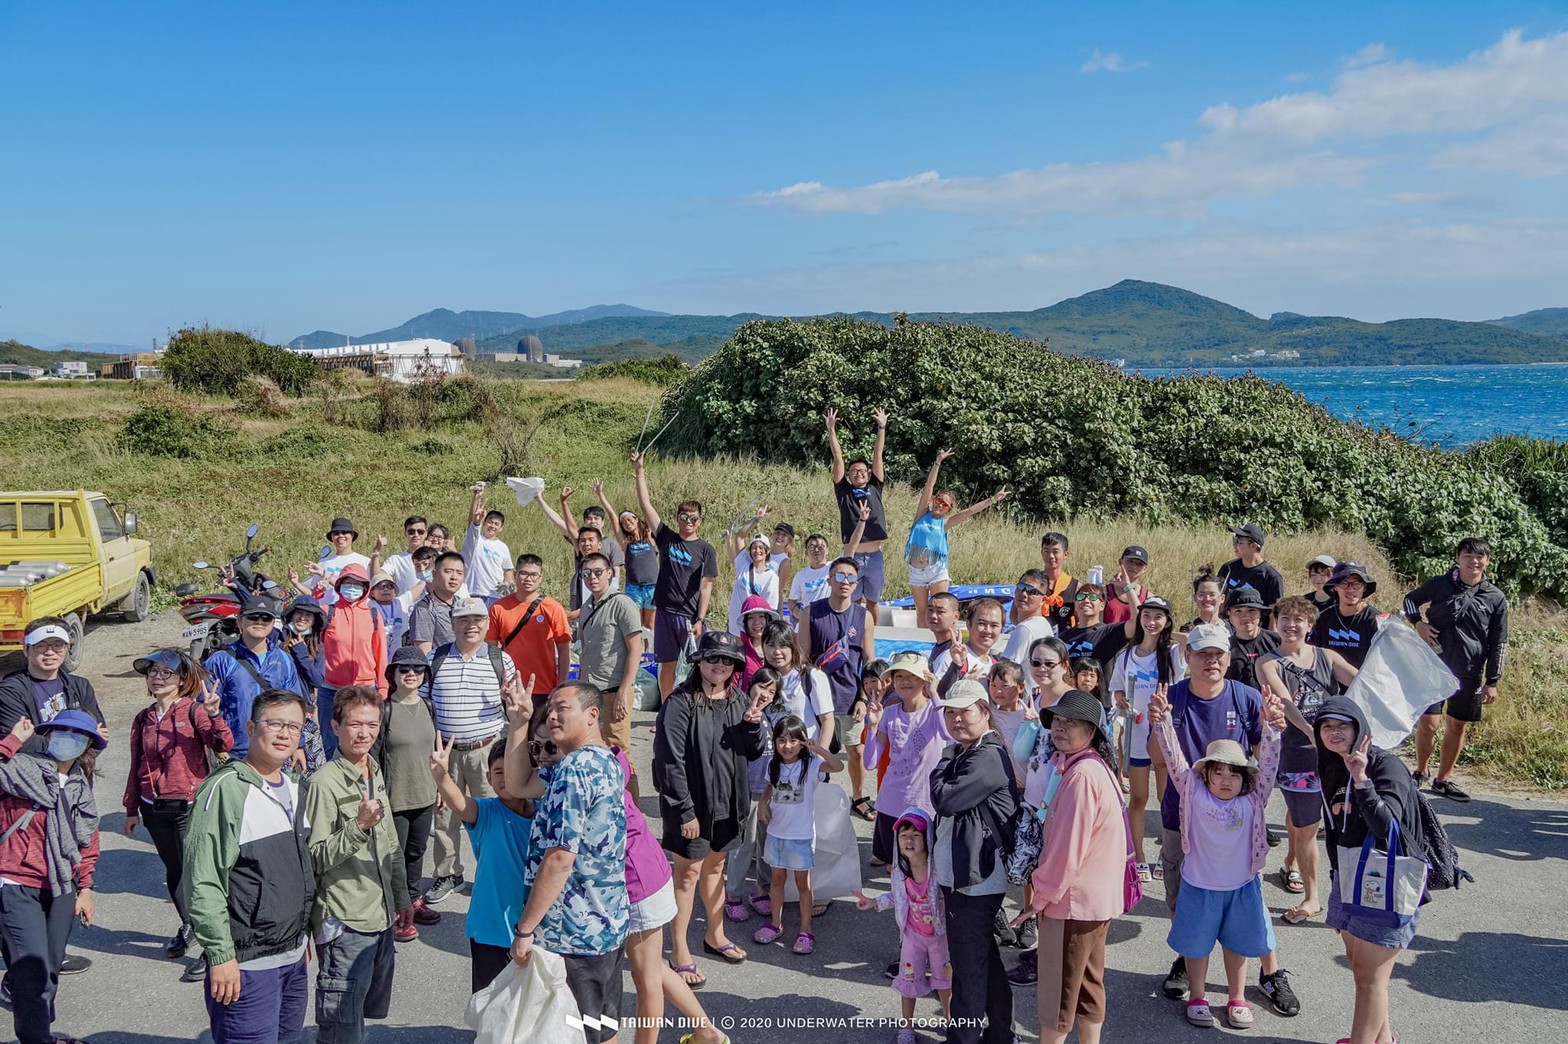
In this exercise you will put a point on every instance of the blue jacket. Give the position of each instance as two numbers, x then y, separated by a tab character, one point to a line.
238	689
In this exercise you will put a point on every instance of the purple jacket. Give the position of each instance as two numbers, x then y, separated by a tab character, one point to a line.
647	867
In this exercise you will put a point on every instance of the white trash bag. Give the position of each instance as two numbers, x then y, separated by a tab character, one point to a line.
526	489
836	859
1401	677
530	1004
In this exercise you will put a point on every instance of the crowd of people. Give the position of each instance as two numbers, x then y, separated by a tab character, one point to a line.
293	782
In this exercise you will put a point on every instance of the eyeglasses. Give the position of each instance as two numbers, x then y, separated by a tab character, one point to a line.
286	728
415	532
1045	664
1028	590
538	747
596	572
161	674
50	645
687	516
529	574
260	617
845	578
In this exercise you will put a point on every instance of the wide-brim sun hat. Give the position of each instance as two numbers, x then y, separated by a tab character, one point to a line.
1345	570
910	662
1226	752
1075	705
168	659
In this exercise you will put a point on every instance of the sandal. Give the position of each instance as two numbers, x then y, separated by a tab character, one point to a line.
863	808
1298	915
684	970
1157	871
736	910
805	943
1198	1014
760	902
767	934
729	952
1291	881
821	908
1238	1015
1144	873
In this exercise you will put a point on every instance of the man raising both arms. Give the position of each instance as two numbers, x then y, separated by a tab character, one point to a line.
853	484
687	567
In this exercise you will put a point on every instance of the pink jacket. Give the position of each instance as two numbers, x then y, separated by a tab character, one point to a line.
1184	780
1083	848
647	868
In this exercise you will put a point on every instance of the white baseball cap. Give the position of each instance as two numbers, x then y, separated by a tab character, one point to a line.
46	632
1208	636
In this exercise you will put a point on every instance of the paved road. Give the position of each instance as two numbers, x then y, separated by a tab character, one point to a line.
1487	965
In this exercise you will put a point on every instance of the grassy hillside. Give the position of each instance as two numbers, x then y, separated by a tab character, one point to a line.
15	353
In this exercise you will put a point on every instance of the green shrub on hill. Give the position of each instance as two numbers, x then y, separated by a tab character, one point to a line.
665	370
1077	437
218	361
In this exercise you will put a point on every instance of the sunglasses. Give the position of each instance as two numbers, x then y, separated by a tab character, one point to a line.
415	532
1045	664
260	617
596	572
412	670
718	659
687	516
845	578
1028	590
1090	597
546	747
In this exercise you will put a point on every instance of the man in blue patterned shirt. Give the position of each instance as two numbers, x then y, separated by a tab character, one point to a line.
576	869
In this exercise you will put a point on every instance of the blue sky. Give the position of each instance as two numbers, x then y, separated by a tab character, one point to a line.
288	167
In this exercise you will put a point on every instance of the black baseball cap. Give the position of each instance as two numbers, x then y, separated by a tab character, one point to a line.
1246	597
1251	531
1136	552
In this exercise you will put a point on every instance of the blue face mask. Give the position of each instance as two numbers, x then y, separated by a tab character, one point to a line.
351	592
427	575
66	744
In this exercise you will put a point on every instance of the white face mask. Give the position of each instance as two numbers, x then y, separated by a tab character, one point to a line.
352	592
300	628
66	744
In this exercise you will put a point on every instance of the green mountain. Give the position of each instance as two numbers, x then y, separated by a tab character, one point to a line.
447	325
15	353
1548	321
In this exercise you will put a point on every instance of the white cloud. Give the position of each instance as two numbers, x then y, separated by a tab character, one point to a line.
1111	62
1515	90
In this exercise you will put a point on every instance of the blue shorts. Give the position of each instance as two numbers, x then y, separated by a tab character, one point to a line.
1139	762
1347	919
872	577
642	594
784	853
1237	920
669	636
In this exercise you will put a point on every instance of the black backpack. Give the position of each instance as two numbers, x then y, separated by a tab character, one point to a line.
1438	852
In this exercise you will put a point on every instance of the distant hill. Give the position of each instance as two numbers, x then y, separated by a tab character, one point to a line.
1146	324
1547	321
15	353
447	325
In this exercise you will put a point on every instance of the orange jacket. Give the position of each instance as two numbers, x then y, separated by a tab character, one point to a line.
354	643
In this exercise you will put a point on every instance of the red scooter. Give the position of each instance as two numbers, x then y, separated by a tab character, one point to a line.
214	616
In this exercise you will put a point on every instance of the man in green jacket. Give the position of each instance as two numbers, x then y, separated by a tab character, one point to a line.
361	887
249	884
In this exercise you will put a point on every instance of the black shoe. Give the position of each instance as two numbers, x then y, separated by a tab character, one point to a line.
179	943
1028	935
1275	837
1449	789
1175	985
442	887
1027	971
1004	932
196	971
1421	779
1277	989
75	964
892	970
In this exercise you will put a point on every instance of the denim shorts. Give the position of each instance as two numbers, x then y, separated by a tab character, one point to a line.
871	576
784	853
1346	919
925	576
642	594
1236	919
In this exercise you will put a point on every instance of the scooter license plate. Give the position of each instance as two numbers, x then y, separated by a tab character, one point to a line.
190	634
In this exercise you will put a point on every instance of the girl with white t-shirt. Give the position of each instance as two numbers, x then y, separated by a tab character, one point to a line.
788	810
754	575
1152	663
803	690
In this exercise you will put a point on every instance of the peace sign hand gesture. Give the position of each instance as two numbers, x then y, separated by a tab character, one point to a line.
518	701
209	698
440	758
1159	705
1356	760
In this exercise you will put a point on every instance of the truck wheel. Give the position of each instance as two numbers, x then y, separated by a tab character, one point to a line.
137	604
73	658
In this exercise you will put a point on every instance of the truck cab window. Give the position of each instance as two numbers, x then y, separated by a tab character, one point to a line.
109	527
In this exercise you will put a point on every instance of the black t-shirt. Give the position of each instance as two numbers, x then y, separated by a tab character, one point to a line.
849	499
682	566
1350	636
1262	578
1101	641
1061	616
1324	602
1244	655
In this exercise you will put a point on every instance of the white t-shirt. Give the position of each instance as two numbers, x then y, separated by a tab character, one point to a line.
402	611
331	568
1138	676
1022	636
748	582
976	667
400	567
487	561
809	585
793	700
794	796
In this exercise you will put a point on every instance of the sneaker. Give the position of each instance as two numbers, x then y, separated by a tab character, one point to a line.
1027	971
1449	789
1277	989
423	914
1004	932
180	942
1028	935
75	964
1198	1014
196	971
892	970
1175	985
442	887
405	932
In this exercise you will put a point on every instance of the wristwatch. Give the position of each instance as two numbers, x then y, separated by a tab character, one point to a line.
518	933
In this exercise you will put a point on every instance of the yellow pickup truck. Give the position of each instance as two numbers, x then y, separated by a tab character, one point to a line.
69	554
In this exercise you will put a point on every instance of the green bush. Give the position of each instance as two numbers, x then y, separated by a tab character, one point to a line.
218	361
663	371
1079	437
160	430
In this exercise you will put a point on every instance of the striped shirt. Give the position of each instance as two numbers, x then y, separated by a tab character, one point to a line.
467	695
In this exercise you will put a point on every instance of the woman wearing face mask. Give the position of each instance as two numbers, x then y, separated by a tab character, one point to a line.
303	622
170	741
47	859
353	644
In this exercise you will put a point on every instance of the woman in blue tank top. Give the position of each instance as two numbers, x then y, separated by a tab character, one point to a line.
926	550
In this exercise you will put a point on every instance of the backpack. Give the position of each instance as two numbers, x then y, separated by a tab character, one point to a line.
438	657
1437	851
379	751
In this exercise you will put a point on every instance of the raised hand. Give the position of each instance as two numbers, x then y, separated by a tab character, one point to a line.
1356	760
566	493
293	575
831	417
999	496
637	462
379	546
22	731
943	455
440	758
598	486
880	416
210	700
518	701
314	569
865	510
1159	705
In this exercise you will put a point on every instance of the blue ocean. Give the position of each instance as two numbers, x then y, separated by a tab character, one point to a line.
1447	405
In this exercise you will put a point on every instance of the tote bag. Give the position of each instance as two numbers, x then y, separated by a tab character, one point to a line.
1383	887
530	1004
835	871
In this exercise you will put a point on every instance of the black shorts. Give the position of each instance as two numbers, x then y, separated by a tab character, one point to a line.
719	836
1305	807
669	636
595	983
1464	704
882	838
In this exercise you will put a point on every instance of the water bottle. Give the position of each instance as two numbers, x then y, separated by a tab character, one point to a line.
1097	576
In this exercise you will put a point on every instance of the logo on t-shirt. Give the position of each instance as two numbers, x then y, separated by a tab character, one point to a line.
679	555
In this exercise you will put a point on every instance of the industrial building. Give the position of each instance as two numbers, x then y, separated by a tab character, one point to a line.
403	361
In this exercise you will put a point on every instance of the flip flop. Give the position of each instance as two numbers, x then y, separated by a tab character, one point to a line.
729	952
1298	915
684	970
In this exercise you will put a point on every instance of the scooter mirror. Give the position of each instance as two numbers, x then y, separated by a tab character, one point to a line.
200	565
269	585
251	532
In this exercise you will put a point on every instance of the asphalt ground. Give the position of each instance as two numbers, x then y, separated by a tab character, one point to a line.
1490	962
